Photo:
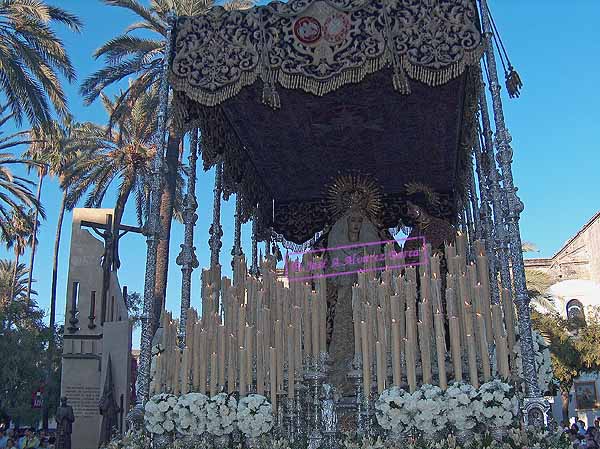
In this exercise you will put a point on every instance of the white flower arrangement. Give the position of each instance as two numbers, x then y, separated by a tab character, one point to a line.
432	406
464	408
423	411
392	410
254	415
191	414
221	414
159	415
541	351
499	404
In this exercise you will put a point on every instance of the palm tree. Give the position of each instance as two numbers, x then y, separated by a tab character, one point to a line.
13	281
12	139
32	57
142	58
48	148
16	199
18	238
123	155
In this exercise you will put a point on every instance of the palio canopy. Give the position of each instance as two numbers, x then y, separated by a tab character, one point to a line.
290	95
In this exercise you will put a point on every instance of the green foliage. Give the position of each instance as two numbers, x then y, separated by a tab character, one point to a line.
572	353
135	308
574	345
23	342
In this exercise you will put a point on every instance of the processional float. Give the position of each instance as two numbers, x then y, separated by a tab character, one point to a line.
379	103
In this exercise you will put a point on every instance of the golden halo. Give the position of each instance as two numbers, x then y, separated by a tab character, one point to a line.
354	192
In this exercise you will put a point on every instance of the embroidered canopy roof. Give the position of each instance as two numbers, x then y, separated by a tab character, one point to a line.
290	95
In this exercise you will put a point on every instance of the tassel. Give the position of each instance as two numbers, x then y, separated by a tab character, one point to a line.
270	96
513	82
400	82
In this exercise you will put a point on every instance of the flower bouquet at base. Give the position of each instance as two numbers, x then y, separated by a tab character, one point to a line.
405	414
159	414
254	416
191	411
499	406
392	412
432	416
464	409
221	414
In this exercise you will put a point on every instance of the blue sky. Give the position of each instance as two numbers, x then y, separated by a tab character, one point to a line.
554	125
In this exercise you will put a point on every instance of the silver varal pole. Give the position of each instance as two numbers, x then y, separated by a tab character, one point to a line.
187	257
254	267
536	414
153	225
493	177
236	251
216	231
475	204
486	220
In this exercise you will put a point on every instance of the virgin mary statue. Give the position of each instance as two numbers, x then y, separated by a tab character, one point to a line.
355	205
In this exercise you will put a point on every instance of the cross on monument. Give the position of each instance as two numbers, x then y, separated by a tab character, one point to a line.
111	235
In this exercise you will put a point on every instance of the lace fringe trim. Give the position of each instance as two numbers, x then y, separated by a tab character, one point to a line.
431	77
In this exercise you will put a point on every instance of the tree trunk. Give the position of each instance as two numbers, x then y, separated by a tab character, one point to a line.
167	203
564	395
119	210
14	275
34	241
61	215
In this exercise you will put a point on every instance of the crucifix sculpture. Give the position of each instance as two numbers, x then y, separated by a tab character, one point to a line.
111	235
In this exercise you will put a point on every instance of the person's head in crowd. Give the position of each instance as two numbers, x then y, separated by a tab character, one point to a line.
10	443
589	439
597	422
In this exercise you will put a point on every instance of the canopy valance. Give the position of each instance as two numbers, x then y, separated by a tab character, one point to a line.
318	45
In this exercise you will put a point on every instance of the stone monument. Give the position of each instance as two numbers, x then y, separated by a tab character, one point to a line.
97	330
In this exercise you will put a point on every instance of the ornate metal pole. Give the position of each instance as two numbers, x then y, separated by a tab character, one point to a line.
153	225
216	231
187	257
237	236
254	267
515	207
486	219
475	206
493	177
469	221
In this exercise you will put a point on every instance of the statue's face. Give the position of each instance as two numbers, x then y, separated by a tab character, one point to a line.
414	211
354	223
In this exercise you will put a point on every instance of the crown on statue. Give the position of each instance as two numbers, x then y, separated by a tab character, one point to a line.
354	193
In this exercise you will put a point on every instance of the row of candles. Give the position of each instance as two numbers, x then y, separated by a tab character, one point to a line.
266	332
260	337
